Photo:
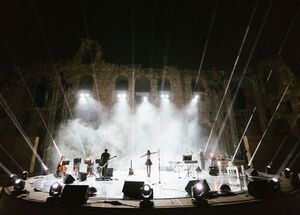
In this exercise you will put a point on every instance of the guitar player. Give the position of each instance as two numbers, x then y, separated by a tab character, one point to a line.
104	160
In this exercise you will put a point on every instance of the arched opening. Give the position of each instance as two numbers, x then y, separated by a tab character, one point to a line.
142	89
197	87
163	85
121	84
86	83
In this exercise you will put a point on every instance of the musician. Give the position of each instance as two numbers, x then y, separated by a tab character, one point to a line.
202	159
104	161
61	168
90	165
148	162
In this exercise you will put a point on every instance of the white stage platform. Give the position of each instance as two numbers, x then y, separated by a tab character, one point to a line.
171	183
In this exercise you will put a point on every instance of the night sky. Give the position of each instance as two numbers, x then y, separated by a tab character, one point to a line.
154	32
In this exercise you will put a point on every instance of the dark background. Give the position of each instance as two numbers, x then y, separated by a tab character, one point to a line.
151	33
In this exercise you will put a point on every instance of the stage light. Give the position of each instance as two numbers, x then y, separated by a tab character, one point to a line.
195	98
286	173
147	194
147	191
25	175
274	182
121	94
145	98
269	169
165	95
55	190
13	178
200	189
19	185
87	95
224	189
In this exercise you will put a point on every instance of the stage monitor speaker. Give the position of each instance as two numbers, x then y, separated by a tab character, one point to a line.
132	189
68	179
191	183
75	194
82	176
213	170
109	172
262	188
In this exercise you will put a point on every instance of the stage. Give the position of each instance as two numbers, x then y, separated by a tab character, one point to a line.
170	185
170	196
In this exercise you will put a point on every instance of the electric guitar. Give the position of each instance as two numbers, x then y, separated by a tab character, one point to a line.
106	163
130	169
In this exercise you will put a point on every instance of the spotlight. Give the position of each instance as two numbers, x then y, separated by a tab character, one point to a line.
55	190
165	95
145	98
121	94
147	194
87	95
13	178
275	184
81	95
19	185
286	173
269	169
25	175
224	189
200	189
263	188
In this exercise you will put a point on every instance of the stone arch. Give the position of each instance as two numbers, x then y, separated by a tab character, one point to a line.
142	84
142	89
197	87
121	83
163	85
86	82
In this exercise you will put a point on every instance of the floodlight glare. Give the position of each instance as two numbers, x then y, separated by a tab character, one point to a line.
19	185
287	172
147	193
55	189
25	175
269	169
13	178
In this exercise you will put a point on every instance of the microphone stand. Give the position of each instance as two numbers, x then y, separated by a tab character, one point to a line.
158	166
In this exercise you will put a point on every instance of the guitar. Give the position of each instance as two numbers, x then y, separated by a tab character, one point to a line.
106	163
130	169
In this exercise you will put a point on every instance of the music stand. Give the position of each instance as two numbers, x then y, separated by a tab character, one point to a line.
65	162
88	162
77	160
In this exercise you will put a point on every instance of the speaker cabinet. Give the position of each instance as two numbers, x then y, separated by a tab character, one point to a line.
191	183
109	172
132	189
75	194
82	176
68	179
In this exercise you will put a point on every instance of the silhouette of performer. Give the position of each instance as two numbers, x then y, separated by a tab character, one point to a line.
104	161
148	162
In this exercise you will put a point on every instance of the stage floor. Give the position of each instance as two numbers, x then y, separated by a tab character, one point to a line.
172	184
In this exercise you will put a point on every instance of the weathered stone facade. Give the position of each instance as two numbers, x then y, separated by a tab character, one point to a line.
54	87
